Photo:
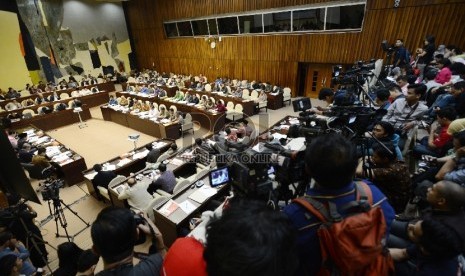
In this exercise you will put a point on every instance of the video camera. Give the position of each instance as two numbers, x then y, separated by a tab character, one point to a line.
355	75
51	190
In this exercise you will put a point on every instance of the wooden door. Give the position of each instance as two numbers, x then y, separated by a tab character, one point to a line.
318	76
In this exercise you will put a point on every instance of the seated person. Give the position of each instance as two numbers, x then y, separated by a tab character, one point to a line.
395	93
112	100
445	201
180	83
210	104
172	150
194	99
87	263
204	146
404	114
145	107
26	153
136	194
10	265
76	103
203	101
163	113
454	168
130	102
220	107
248	130
435	251
178	118
327	95
102	178
154	112
114	234
382	98
187	98
199	86
61	107
231	135
68	256
137	106
436	143
162	94
262	97
124	101
176	95
9	245
449	98
153	154
40	160
165	181
29	102
179	97
237	93
389	175
172	115
242	229
12	105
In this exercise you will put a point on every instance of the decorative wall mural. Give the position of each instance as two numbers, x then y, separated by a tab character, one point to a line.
64	37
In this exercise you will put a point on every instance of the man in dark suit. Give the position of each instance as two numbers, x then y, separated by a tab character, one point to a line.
102	178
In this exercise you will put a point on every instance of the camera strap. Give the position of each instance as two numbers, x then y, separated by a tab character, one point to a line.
411	111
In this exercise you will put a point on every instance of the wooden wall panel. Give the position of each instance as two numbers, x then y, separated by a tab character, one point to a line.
275	58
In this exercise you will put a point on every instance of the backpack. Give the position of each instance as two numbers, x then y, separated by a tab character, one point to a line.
353	244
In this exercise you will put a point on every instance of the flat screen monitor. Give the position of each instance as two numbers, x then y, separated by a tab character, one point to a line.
271	170
219	176
301	104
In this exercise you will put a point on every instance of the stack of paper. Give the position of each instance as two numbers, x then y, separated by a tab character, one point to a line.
202	194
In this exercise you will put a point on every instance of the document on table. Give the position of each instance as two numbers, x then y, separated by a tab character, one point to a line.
140	155
158	145
202	194
177	161
168	208
123	162
187	207
91	175
279	136
109	167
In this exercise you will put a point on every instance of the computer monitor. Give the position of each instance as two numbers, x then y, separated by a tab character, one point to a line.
219	176
302	104
271	170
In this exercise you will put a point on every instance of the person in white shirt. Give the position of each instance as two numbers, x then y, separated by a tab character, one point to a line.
136	194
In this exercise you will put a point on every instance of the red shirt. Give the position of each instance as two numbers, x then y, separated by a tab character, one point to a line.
221	108
442	138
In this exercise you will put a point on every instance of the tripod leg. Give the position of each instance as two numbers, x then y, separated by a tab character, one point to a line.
60	215
74	213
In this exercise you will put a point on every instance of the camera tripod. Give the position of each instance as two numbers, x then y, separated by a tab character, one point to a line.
59	215
35	240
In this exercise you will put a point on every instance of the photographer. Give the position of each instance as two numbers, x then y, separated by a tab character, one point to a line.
114	235
327	95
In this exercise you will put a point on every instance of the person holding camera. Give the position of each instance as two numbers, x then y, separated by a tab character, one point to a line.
114	234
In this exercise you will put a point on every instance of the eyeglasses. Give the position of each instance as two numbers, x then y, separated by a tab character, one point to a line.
377	129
